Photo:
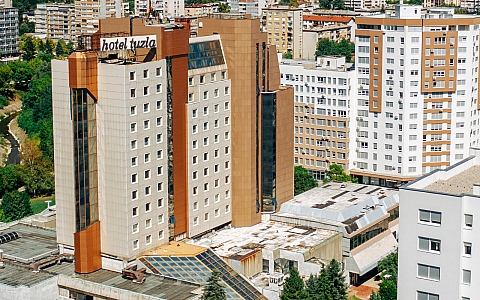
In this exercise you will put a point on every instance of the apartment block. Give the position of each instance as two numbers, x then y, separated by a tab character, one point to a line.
261	118
56	21
89	12
160	8
417	98
439	241
9	43
284	26
325	92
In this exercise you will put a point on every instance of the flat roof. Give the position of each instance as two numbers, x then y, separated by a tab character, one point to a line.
461	183
336	196
154	285
34	243
13	275
175	249
239	243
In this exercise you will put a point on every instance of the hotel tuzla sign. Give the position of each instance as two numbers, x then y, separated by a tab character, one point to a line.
128	43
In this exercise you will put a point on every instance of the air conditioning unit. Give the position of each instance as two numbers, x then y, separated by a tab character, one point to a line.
390	88
396	118
391	77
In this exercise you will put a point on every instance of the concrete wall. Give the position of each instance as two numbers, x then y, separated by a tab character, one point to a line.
45	290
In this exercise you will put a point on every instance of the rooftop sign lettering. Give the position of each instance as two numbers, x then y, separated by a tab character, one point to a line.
128	43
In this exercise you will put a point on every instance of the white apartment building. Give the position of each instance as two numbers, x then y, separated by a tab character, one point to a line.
325	93
438	247
209	140
56	21
417	100
9	42
89	12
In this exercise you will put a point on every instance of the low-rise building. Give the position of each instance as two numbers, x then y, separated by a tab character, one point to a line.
367	217
201	9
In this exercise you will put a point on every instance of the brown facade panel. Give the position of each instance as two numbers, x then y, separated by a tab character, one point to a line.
436	164
87	249
436	153
449	82
82	72
180	142
376	72
437	121
239	40
285	138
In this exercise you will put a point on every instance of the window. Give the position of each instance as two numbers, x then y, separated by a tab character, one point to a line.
134	178
146	107
133	144
145	73
146	124
159	88
135	245
160	219
147	174
134	161
135	228
195	205
133	127
159	121
205	110
146	90
148	191
146	141
159	154
206	217
428	244
466	276
135	212
205	95
159	105
158	71
227	209
428	272
467	248
133	110
160	186
160	235
427	296
206	202
227	90
146	158
428	216
159	137
468	221
160	202
195	221
132	75
148	239
134	195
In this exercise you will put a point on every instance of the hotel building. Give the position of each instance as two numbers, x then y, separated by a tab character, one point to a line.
417	99
146	140
438	247
262	118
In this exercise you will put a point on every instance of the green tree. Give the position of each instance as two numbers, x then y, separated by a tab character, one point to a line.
336	173
325	4
223	8
60	48
388	290
214	289
15	205
28	49
375	296
287	55
294	288
338	4
344	48
22	73
9	178
6	87
388	268
329	285
303	181
26	26
70	47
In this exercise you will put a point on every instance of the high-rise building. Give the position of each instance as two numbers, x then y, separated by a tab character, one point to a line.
325	92
417	100
56	21
146	136
9	43
284	26
261	118
438	244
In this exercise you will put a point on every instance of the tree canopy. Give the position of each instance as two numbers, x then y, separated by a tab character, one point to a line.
214	289
303	181
344	48
329	284
294	288
331	4
388	269
336	173
223	8
15	205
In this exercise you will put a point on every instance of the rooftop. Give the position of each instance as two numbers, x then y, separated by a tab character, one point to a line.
156	286
345	205
34	243
461	183
237	243
16	275
460	178
328	18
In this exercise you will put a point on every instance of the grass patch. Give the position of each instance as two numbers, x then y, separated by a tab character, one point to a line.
39	204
